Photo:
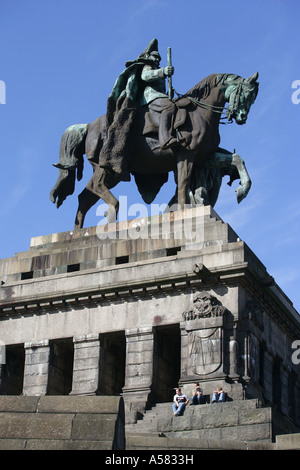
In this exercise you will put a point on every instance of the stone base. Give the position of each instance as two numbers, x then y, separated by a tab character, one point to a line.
138	307
62	423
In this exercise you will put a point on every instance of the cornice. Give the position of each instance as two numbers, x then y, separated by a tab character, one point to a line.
163	281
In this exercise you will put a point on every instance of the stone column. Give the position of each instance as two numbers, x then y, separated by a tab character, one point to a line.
37	356
138	371
233	353
86	365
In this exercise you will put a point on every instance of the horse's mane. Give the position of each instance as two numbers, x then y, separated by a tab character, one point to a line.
203	88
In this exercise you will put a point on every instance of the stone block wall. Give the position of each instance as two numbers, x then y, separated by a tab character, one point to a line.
62	423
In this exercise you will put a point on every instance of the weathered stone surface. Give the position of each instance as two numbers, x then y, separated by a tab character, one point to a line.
79	404
44	444
86	364
219	420
93	427
18	404
62	423
30	426
237	421
12	444
261	415
158	443
288	441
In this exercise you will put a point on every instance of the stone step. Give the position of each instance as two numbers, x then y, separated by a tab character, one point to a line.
166	408
153	442
242	419
54	444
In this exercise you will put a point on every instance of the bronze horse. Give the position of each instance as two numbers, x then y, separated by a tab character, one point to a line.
198	163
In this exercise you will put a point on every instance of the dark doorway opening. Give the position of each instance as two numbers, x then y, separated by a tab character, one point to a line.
12	369
166	363
112	363
61	366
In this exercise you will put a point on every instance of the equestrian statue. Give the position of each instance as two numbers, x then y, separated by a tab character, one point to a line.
147	133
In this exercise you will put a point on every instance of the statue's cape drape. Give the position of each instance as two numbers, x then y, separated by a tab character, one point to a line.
120	115
127	85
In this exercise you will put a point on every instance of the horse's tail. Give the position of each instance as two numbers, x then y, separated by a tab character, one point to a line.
72	149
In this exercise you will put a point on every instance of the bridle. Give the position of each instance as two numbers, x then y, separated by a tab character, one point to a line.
229	111
233	105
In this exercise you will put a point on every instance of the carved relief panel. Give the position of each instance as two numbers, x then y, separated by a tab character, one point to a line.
204	350
202	336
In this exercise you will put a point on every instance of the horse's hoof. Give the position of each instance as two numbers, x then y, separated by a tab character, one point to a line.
53	196
240	194
111	216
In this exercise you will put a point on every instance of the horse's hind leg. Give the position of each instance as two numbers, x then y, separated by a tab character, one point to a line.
86	200
184	172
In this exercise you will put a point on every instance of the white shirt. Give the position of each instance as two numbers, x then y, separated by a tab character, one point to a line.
180	398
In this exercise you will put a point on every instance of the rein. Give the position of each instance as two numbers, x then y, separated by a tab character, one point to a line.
201	104
219	109
214	109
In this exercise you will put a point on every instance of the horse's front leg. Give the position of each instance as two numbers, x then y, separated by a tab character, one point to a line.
99	185
85	201
245	181
184	172
226	160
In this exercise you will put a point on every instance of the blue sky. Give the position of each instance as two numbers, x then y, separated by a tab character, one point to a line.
59	60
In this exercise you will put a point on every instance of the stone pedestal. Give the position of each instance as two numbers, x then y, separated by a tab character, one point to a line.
165	301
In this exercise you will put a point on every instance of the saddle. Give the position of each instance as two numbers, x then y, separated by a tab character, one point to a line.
152	114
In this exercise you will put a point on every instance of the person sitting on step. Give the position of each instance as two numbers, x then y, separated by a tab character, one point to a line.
197	397
218	395
180	402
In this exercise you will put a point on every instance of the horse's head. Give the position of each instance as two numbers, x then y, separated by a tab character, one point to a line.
240	94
